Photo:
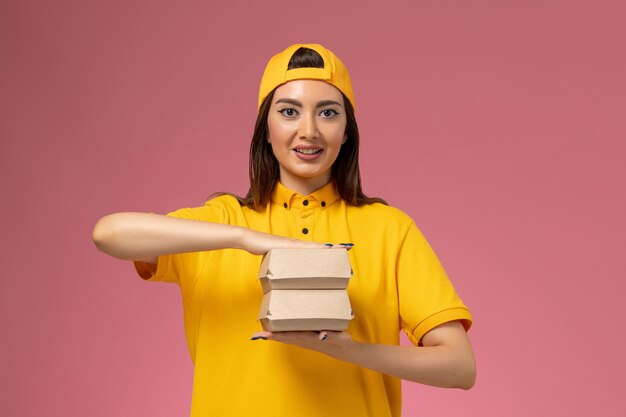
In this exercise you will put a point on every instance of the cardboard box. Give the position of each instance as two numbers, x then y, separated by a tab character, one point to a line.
305	310
305	290
283	269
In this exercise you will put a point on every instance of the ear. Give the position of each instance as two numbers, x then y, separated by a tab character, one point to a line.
345	138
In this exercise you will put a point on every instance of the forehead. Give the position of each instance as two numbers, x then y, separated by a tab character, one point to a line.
308	91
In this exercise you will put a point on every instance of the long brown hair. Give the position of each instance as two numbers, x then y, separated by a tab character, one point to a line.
263	167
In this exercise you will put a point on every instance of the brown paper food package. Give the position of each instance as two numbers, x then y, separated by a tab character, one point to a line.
290	269
305	310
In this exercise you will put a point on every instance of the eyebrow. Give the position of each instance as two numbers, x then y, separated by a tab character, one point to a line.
298	104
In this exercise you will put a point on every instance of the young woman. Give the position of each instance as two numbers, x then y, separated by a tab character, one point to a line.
305	191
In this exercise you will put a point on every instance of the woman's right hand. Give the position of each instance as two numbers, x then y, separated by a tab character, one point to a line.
259	243
145	236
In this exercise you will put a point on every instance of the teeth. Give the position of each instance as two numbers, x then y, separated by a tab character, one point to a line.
308	151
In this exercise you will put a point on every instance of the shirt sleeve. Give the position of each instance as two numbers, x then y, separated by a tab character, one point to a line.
180	268
427	298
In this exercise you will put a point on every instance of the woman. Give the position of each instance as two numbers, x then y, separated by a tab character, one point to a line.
305	190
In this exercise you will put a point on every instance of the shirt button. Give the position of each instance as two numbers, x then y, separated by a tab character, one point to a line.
305	202
305	230
285	205
323	204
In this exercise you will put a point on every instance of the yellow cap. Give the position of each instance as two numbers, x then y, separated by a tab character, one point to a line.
334	72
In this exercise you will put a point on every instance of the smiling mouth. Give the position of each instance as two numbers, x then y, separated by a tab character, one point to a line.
308	151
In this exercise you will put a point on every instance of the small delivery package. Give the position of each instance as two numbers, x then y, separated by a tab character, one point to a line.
305	289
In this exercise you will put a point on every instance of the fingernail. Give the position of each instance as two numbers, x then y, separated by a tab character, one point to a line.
328	244
258	337
349	244
325	337
343	244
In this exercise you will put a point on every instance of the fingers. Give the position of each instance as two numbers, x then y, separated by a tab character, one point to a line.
346	246
291	336
261	335
292	243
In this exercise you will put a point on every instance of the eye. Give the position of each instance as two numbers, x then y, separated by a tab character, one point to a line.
328	113
288	112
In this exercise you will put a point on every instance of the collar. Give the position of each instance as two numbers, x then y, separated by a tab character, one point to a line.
322	198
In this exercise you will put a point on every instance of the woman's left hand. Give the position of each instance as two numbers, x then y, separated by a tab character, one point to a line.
445	358
325	341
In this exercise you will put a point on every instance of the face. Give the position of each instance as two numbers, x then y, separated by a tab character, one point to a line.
307	126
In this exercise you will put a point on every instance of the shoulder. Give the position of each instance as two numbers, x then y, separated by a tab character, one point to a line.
227	205
381	220
381	213
216	209
223	202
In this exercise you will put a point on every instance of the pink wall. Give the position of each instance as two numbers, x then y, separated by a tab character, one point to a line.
499	126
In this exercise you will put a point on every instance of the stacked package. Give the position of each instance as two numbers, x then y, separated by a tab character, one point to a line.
305	289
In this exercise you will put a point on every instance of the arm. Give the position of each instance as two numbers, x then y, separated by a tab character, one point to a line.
145	236
445	360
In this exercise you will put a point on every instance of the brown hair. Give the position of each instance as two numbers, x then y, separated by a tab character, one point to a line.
264	168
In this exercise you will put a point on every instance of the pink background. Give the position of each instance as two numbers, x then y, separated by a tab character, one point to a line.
499	126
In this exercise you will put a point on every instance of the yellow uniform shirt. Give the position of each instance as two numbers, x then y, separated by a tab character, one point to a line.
398	283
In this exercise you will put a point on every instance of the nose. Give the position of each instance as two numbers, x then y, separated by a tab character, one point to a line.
307	129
